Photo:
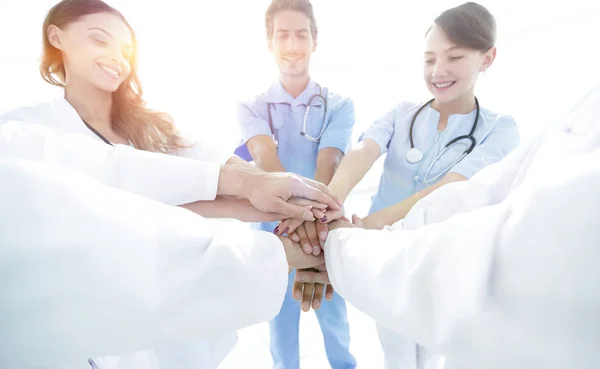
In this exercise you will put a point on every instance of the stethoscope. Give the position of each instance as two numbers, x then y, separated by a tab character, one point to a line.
415	155
303	133
100	136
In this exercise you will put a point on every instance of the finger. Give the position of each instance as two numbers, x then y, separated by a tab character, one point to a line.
279	230
322	231
297	290
304	261
331	215
281	206
318	213
307	295
317	191
356	220
329	293
313	237
294	237
297	258
306	276
304	242
293	224
306	202
318	296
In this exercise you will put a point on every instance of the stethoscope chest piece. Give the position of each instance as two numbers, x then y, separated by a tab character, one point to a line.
414	155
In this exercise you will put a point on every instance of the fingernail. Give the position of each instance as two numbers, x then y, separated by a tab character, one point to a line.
286	230
309	217
323	236
316	250
276	230
305	306
297	295
307	249
324	219
329	296
316	304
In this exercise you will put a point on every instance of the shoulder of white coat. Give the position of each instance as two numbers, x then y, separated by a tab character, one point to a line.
39	113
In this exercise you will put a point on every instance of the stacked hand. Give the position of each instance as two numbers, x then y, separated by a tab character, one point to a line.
310	210
311	282
289	194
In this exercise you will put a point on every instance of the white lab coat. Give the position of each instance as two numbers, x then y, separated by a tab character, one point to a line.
91	270
170	180
500	271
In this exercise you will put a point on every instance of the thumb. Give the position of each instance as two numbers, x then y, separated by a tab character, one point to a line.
356	220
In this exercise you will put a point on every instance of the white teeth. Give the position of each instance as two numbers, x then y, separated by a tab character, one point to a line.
443	85
110	71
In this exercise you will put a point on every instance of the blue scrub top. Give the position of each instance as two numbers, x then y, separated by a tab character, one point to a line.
496	135
296	153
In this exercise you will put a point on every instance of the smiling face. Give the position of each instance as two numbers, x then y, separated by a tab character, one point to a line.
292	43
450	71
96	49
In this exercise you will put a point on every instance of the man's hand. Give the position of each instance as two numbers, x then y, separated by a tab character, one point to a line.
296	258
311	292
270	192
307	234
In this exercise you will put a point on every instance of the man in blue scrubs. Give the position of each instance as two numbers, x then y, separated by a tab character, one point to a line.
282	133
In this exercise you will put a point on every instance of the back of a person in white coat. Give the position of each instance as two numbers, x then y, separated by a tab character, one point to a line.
89	269
90	51
500	271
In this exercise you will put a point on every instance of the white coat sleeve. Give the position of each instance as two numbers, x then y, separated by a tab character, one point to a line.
488	187
89	270
520	276
168	179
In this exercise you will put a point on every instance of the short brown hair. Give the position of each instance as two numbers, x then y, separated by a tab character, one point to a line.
303	6
469	25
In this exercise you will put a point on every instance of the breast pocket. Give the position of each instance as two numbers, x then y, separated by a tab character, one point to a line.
315	119
276	116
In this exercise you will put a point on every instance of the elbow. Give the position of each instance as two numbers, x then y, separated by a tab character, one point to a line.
330	158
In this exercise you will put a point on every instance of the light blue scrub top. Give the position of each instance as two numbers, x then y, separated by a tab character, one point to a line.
296	153
496	135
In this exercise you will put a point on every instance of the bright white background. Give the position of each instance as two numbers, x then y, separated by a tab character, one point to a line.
197	63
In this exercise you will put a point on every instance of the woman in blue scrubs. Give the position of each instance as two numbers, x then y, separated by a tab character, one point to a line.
428	145
299	126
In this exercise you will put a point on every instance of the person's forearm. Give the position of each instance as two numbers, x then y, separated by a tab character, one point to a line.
394	213
353	168
270	163
236	160
391	214
223	207
328	162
